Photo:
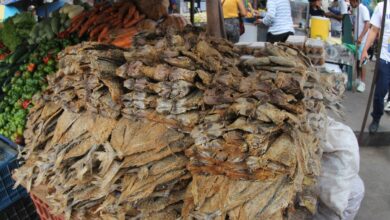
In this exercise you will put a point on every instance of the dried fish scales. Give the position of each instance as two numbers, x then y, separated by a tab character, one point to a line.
178	126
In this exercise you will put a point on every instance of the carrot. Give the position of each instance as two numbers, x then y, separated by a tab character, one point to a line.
87	25
126	32
134	21
116	22
104	18
124	43
78	17
108	10
103	34
77	25
122	12
95	32
132	10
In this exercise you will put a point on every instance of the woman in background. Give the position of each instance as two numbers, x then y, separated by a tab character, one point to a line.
315	8
279	20
232	10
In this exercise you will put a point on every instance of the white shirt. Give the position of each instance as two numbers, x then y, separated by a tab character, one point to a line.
278	17
336	25
364	16
376	21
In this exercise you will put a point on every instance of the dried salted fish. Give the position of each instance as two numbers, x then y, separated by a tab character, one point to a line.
189	130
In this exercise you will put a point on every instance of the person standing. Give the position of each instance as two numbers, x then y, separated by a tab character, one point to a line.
383	78
337	10
172	7
232	10
279	20
315	8
362	24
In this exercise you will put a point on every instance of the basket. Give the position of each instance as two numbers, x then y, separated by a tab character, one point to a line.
43	209
8	162
23	209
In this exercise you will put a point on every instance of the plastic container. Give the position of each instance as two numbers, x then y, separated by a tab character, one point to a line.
43	209
296	41
319	27
23	209
314	46
8	162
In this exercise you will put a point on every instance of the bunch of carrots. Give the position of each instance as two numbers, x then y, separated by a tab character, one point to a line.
108	23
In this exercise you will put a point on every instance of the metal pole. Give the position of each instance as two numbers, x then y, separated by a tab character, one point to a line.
375	72
192	11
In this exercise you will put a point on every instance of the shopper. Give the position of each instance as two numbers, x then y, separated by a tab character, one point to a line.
383	78
337	10
387	102
232	10
172	7
279	20
361	29
315	8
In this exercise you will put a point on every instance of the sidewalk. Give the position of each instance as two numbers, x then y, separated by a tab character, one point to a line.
355	105
374	170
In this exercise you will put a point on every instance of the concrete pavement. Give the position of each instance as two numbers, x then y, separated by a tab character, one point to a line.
375	170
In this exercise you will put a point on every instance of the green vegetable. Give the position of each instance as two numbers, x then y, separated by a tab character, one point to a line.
55	24
19	52
16	30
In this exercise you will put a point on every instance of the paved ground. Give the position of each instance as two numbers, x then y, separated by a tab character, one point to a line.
375	170
375	161
355	105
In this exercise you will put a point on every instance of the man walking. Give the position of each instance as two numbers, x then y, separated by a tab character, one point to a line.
383	78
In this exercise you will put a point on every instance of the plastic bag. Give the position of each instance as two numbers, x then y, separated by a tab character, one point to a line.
340	188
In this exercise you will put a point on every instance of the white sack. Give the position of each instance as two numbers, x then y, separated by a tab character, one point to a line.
340	188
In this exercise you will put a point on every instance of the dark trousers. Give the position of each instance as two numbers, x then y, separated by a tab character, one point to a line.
278	37
382	87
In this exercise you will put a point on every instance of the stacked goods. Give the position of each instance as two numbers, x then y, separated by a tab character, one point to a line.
179	126
315	50
115	24
296	42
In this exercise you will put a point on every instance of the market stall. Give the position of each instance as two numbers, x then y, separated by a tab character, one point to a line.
126	112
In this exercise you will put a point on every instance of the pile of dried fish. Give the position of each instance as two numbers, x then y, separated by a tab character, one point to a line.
179	125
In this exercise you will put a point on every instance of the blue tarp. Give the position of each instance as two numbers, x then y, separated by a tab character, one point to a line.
41	11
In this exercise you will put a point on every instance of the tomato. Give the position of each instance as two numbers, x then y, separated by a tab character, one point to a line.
25	104
31	67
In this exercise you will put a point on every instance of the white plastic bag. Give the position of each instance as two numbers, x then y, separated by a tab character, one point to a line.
340	188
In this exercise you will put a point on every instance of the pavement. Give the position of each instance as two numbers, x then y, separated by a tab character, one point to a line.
355	106
374	170
374	154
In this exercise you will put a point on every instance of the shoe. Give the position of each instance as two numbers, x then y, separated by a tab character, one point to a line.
373	128
361	87
386	97
387	107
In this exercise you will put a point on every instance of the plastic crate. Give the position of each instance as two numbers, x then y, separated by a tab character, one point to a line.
8	162
43	209
23	209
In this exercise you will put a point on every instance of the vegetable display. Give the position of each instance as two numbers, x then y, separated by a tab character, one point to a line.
23	76
115	24
49	28
16	30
